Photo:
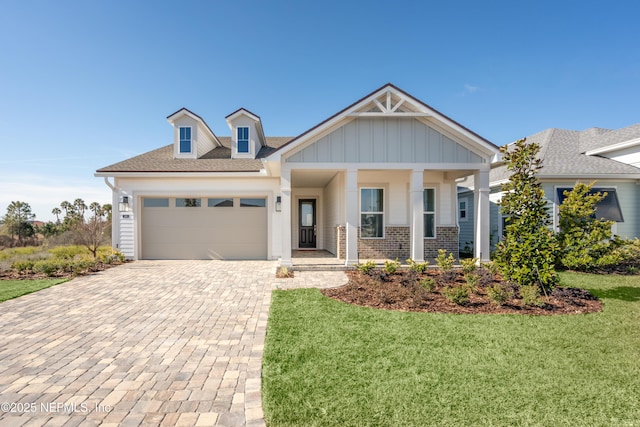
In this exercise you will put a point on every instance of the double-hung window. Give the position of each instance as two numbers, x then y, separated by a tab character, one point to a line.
429	213
462	209
185	139
243	140
371	212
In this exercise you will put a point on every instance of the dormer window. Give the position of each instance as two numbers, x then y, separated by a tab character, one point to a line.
243	139
185	140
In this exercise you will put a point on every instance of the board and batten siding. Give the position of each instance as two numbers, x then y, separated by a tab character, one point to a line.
386	140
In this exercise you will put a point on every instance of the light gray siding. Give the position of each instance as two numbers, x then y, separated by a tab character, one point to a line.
386	140
467	233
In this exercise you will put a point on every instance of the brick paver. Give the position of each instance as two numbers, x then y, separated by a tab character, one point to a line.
147	343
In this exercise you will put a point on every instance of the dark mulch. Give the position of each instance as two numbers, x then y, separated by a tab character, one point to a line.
401	291
30	275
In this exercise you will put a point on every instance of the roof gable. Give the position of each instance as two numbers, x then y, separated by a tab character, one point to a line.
390	102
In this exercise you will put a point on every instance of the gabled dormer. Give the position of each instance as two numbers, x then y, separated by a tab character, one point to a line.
247	135
192	137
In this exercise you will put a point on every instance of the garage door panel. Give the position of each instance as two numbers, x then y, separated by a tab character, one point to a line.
204	233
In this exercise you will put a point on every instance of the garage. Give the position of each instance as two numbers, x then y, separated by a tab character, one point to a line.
204	228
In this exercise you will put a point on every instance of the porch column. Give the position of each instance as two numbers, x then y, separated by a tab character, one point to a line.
417	217
481	196
351	193
285	190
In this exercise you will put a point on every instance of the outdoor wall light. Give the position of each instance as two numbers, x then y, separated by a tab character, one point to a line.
123	206
278	204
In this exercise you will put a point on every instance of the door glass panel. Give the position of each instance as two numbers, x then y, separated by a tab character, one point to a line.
306	213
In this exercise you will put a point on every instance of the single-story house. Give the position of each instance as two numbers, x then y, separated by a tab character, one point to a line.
376	180
610	158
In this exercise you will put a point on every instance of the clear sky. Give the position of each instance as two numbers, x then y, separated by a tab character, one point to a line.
84	84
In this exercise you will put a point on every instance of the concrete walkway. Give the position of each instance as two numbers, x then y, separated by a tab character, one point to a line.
146	343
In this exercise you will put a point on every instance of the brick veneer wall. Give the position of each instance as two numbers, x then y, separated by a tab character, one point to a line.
397	243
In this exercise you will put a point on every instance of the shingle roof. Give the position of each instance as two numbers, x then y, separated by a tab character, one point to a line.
217	160
562	153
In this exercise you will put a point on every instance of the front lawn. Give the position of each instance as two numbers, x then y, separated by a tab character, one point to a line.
330	363
10	289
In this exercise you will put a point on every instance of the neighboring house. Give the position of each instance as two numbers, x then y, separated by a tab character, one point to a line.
377	180
610	158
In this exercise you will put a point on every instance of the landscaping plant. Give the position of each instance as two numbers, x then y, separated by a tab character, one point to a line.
526	255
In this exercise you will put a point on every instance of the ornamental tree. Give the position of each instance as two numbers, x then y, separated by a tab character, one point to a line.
526	255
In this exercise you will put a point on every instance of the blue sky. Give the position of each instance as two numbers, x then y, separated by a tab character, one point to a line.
84	84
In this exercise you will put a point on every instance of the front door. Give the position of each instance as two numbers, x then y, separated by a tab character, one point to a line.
307	221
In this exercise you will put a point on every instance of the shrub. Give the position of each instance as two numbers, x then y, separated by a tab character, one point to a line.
583	238
469	265
499	294
391	266
47	266
418	267
284	273
492	267
428	284
23	265
68	252
445	262
527	254
471	279
457	294
366	267
530	295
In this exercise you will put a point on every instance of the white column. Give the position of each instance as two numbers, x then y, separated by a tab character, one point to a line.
351	193
482	212
285	190
417	217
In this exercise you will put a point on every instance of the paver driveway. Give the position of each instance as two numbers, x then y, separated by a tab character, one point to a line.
146	343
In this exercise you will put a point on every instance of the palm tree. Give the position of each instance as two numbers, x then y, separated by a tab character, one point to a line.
57	212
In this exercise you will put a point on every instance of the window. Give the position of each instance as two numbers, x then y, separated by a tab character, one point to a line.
608	208
462	210
155	202
182	202
253	203
185	139
429	213
220	203
243	140
371	213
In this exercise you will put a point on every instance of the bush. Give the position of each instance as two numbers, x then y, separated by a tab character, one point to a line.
428	284
499	294
530	295
367	267
48	267
418	267
527	255
445	262
23	265
457	294
471	279
469	265
390	267
492	267
68	252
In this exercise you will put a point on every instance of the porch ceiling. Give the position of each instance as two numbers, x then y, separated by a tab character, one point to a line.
311	178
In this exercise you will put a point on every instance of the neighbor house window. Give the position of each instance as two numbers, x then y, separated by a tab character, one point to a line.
185	139
220	203
462	209
607	208
243	140
429	213
371	212
182	202
253	203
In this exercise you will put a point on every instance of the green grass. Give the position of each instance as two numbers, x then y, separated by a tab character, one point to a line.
328	363
10	289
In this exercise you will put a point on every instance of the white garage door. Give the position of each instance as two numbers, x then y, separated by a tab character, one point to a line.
204	228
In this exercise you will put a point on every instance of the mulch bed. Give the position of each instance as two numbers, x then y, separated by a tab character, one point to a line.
401	291
30	275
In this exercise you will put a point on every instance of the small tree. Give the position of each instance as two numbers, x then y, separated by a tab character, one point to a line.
583	238
93	232
17	219
527	254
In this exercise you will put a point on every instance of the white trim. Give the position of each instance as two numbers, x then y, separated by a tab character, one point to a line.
614	147
470	167
170	175
384	205
435	215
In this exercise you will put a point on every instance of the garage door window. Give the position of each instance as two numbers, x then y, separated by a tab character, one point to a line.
155	203
253	203
182	202
220	203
